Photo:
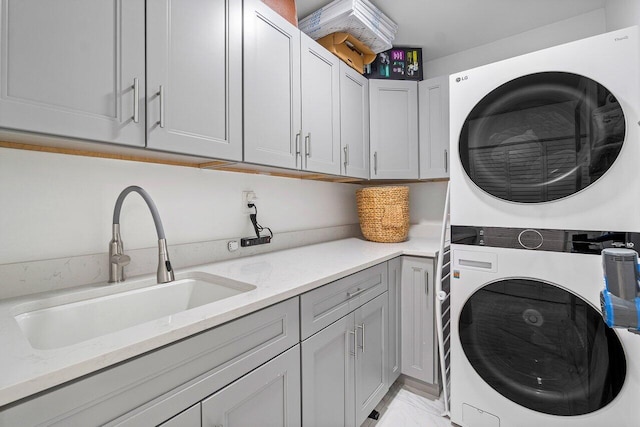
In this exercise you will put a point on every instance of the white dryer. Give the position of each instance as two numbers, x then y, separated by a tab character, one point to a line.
529	347
550	139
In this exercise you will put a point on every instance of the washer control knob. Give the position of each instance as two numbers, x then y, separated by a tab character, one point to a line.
530	239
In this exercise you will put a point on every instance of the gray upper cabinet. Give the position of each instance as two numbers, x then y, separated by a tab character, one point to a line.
320	79
73	68
291	95
272	121
418	338
194	77
434	127
268	396
354	122
394	129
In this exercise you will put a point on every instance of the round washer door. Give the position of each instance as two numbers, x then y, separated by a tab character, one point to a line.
542	347
542	137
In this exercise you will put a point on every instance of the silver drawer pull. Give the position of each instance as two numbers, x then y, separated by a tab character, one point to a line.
355	293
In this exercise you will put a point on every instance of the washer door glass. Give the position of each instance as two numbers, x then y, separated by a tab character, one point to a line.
542	347
542	137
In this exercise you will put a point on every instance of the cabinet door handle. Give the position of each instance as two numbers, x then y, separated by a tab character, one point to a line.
161	100
136	101
446	160
355	344
355	293
361	327
307	150
298	146
375	163
426	283
346	156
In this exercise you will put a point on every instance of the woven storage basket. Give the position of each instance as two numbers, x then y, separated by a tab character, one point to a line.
384	213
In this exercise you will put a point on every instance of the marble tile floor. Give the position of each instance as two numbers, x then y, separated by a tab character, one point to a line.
401	407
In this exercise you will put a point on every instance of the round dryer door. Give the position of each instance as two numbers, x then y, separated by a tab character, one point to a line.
542	347
542	137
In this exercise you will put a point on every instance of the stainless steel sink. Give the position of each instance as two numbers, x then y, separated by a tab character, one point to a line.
62	325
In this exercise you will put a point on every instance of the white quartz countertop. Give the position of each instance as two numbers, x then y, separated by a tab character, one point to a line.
277	276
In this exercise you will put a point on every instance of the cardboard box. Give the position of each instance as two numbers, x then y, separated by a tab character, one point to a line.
399	63
349	49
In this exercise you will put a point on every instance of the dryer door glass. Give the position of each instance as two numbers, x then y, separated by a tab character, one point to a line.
542	137
542	347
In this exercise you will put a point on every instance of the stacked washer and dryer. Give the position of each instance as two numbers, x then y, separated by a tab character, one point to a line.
545	173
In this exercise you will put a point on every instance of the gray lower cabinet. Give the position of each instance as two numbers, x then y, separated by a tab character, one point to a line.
153	388
419	347
268	396
344	366
69	68
189	418
394	352
328	376
371	353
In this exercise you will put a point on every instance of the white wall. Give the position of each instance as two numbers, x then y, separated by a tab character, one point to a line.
575	28
622	14
56	205
426	202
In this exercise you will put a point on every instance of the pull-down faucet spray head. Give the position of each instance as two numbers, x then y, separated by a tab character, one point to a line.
118	260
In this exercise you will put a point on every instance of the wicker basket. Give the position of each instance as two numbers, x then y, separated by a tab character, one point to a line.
384	213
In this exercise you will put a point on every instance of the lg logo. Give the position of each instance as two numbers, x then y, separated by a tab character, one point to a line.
460	79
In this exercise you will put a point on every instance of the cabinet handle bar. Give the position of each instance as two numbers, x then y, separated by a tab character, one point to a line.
361	327
136	101
356	292
161	100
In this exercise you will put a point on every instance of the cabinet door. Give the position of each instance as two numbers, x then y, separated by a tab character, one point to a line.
189	418
268	396
328	395
394	350
434	127
272	128
354	122
194	77
394	129
418	345
371	366
68	68
320	79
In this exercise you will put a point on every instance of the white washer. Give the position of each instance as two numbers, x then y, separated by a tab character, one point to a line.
528	345
550	139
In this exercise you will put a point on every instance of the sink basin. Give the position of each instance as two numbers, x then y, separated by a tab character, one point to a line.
62	325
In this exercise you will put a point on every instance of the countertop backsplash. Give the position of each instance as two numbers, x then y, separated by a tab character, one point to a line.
31	277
